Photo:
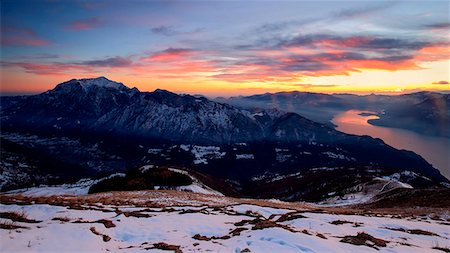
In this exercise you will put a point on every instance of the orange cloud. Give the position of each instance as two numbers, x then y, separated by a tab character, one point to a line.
170	54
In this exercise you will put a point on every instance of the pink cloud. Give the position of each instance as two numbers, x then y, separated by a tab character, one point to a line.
83	24
14	36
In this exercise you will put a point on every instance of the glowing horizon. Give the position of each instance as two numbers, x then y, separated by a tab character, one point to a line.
227	48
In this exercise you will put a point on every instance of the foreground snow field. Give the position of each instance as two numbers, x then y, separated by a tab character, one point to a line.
168	221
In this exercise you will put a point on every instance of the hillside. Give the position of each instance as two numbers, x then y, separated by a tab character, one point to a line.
159	221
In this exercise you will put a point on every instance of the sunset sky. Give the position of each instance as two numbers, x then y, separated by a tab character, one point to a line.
228	47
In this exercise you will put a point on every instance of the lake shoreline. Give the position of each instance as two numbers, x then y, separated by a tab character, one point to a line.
434	149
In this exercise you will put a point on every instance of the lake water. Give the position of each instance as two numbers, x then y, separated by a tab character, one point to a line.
436	150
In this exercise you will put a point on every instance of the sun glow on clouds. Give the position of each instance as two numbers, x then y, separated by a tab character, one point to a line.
320	53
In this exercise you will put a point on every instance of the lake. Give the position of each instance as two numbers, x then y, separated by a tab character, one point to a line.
436	150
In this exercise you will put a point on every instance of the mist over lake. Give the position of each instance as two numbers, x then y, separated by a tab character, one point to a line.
433	149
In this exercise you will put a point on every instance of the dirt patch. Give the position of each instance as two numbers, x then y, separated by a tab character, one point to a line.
290	216
165	246
106	223
321	236
364	239
341	222
447	250
137	214
62	219
205	238
259	223
237	231
95	232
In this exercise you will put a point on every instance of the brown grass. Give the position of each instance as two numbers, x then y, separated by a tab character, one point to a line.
152	198
365	239
414	231
10	225
17	216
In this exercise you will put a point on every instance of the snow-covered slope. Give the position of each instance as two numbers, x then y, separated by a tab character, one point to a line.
193	223
81	187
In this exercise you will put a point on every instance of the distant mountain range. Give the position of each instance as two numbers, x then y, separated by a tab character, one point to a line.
422	112
101	105
88	127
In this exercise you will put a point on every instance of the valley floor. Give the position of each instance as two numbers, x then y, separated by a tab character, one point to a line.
174	221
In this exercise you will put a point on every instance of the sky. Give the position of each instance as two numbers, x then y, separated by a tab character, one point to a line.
227	48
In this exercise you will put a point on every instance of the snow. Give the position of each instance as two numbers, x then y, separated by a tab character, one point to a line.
204	153
338	156
266	212
185	147
79	188
245	156
145	168
154	151
363	193
88	83
196	185
132	234
82	187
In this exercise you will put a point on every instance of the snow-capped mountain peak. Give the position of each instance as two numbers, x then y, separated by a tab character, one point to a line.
88	83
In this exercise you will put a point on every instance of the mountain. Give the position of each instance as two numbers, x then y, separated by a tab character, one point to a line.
428	114
316	106
93	127
101	105
423	112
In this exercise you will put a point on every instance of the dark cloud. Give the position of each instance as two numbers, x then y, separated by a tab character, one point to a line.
360	12
171	31
444	25
164	30
41	56
441	82
58	68
361	42
109	62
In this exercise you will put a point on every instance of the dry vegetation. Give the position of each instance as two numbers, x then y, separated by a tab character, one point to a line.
17	216
365	239
164	198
